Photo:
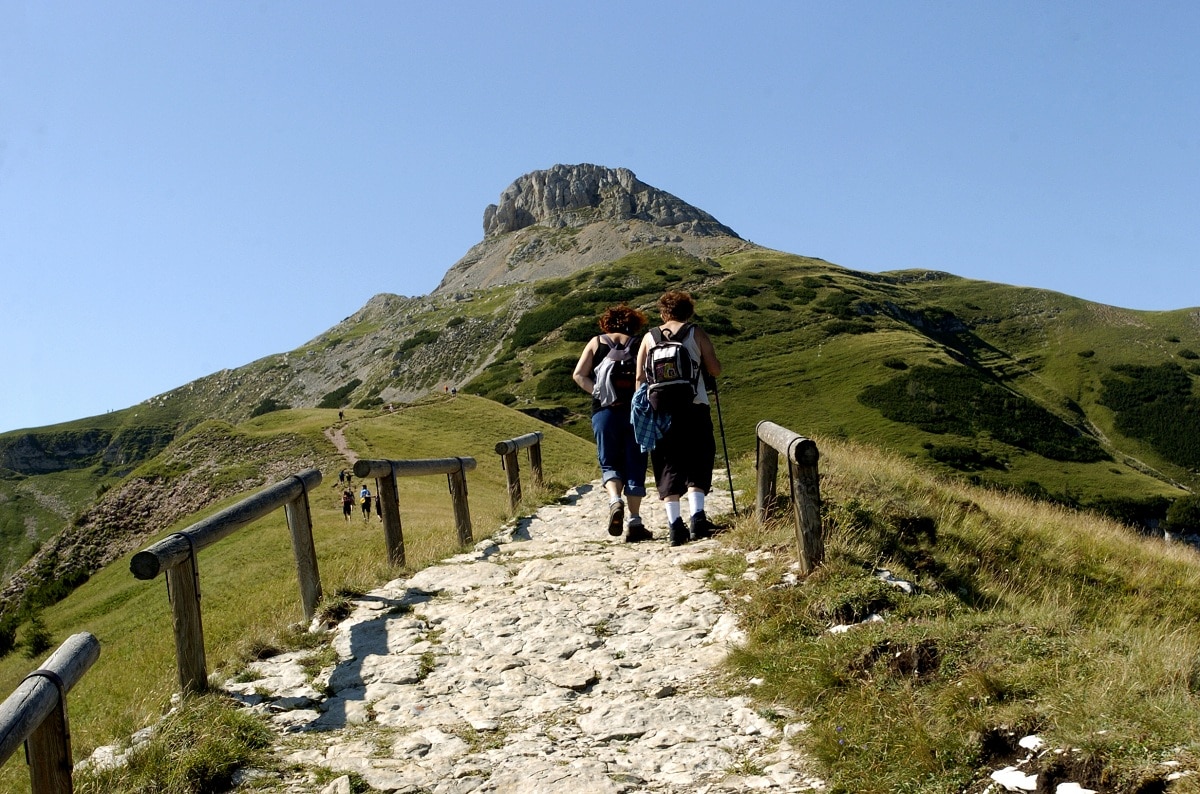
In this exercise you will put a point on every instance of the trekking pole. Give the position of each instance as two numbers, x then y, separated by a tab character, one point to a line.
724	446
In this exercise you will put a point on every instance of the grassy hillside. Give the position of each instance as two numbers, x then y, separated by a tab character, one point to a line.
248	581
1026	618
1004	386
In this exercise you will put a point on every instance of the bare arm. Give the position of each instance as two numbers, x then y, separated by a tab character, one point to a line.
640	377
708	356
583	368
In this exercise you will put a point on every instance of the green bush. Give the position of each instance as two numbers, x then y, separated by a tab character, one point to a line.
337	397
1183	516
268	405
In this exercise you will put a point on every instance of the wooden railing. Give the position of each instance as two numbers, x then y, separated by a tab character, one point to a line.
36	713
386	472
176	556
802	455
507	450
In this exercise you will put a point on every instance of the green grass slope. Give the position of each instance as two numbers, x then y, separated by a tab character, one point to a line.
1026	618
248	580
1014	388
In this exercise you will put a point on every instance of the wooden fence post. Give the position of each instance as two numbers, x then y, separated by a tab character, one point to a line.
183	591
299	520
462	511
393	531
36	713
804	485
512	471
507	450
768	469
535	462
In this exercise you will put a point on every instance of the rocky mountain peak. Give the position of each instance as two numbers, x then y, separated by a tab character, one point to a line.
554	222
575	195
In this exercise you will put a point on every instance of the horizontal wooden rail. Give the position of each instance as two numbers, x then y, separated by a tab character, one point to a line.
172	550
36	712
412	468
802	456
520	442
507	450
385	473
175	556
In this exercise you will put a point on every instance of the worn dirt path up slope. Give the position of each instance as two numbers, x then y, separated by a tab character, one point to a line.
552	658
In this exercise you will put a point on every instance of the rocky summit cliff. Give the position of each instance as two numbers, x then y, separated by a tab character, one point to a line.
553	222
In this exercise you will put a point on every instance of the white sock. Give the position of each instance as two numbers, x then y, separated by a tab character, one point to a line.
673	511
696	500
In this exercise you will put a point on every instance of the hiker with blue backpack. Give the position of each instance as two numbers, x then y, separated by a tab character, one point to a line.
607	370
671	414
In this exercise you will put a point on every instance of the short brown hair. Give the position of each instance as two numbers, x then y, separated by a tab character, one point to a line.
677	305
622	319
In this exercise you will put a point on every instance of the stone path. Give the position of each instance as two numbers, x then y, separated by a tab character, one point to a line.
551	658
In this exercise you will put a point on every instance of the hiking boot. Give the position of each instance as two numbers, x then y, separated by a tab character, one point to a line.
616	516
679	532
701	527
637	532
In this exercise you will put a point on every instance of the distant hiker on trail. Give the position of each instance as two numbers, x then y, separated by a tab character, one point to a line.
341	415
672	363
342	475
347	503
607	370
364	499
378	502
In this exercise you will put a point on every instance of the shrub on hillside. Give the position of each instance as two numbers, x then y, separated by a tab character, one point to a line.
337	397
1183	516
268	405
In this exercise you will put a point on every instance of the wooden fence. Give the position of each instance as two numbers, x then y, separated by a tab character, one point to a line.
507	450
386	472
802	455
36	714
176	556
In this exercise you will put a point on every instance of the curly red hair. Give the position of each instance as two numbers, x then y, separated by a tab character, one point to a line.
622	319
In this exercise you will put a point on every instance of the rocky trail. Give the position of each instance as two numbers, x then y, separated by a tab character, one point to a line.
550	658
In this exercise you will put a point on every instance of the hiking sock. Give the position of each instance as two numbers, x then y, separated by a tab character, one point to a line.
696	501
673	511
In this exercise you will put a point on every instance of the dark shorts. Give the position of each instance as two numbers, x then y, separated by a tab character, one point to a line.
683	458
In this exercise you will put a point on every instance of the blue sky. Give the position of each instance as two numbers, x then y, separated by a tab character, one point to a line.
187	187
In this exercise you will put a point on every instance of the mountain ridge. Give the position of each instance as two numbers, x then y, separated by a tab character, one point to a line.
798	334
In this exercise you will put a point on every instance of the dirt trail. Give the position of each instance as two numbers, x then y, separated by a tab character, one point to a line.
338	439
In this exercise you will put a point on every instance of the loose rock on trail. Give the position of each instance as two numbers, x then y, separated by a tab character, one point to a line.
550	658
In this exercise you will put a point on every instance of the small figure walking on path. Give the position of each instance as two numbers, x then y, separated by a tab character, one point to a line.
607	369
342	475
341	415
364	498
347	504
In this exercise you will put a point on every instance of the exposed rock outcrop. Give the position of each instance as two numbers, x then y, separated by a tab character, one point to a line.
576	195
554	222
